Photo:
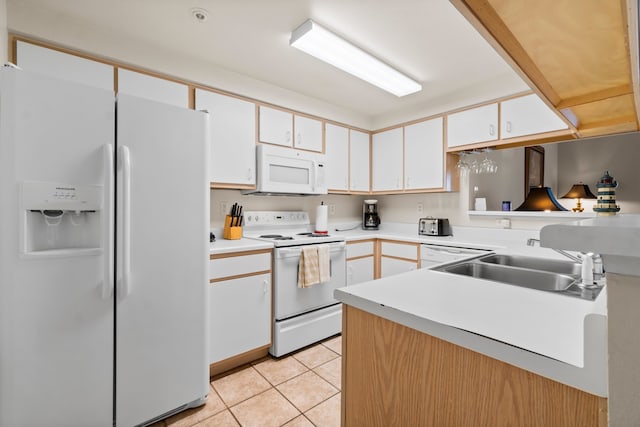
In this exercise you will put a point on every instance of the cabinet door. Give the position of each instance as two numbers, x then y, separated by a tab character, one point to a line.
392	266
155	88
424	155
308	133
233	138
337	152
387	160
359	161
276	126
240	316
359	270
527	115
473	126
63	66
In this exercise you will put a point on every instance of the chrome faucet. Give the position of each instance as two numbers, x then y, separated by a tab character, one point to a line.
592	269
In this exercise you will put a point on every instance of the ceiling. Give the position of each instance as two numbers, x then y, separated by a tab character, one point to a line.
427	39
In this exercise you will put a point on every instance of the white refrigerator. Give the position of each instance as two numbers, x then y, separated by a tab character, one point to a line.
103	256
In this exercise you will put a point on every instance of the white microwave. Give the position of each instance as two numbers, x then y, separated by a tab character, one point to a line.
282	170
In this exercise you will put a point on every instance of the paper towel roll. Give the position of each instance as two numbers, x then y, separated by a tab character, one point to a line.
322	219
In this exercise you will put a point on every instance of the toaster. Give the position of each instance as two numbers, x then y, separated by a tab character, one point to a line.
434	227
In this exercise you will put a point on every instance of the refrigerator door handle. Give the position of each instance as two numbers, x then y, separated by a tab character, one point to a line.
107	212
124	288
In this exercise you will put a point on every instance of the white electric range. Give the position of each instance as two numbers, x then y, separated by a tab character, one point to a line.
302	316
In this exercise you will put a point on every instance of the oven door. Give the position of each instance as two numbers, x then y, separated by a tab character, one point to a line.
289	299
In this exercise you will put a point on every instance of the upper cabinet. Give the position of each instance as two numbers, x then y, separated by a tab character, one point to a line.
233	139
276	126
527	115
387	160
337	152
154	88
424	155
473	126
64	66
308	133
359	161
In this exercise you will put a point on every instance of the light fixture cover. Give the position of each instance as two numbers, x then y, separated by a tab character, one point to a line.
540	199
326	46
579	191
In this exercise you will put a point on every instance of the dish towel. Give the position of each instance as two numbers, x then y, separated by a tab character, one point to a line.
314	266
324	263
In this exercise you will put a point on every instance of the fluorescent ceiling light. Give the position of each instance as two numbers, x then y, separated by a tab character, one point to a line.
323	44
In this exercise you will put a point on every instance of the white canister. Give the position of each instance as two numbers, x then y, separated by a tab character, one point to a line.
322	219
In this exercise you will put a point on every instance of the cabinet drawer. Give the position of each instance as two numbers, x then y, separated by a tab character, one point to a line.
359	249
400	250
239	265
392	266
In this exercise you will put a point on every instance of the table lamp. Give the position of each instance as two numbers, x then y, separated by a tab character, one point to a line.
579	191
540	199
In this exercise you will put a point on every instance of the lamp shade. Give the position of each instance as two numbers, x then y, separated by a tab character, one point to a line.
579	191
540	199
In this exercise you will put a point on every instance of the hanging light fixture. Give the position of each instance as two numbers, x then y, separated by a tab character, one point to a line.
317	41
579	191
540	199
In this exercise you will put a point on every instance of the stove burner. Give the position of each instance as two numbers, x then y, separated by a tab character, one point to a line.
309	234
283	238
270	236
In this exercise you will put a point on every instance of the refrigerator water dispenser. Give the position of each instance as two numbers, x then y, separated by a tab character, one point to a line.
60	219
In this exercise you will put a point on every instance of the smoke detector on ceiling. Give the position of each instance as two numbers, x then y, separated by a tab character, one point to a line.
199	14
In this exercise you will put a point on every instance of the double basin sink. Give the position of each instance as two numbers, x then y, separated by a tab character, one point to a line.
530	272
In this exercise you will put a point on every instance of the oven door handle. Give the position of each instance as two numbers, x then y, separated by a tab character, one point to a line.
333	247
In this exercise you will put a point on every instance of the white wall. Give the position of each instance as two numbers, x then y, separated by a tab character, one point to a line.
4	44
347	208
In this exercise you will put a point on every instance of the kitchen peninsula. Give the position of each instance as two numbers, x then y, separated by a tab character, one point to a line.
429	348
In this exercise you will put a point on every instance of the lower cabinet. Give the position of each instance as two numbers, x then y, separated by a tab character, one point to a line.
239	309
398	257
360	270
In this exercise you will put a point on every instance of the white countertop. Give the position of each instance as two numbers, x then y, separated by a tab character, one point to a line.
222	246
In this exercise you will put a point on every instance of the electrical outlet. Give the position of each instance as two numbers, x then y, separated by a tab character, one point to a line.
332	209
504	222
420	208
223	208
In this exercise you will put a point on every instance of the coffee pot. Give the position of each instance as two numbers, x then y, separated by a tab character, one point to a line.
370	217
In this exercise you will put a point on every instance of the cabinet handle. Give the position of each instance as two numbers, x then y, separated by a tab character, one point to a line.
298	139
509	127
408	180
265	282
287	136
249	174
492	130
398	182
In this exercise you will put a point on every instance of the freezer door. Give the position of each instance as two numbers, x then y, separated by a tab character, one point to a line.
162	244
56	329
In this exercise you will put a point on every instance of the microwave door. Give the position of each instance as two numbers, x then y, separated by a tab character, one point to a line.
288	175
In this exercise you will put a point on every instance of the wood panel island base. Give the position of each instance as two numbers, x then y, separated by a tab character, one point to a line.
393	375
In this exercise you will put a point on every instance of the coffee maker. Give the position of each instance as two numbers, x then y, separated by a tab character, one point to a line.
370	217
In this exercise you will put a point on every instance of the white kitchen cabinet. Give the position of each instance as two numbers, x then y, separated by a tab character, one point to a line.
527	115
424	155
64	66
276	126
360	270
239	305
360	261
337	157
233	138
359	161
473	126
392	266
387	160
398	257
308	133
240	316
154	88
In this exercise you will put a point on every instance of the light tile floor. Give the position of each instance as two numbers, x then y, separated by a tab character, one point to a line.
299	390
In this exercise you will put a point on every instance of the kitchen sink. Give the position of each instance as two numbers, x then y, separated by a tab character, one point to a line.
558	276
544	264
536	279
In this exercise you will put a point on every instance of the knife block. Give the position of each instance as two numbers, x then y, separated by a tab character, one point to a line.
229	232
